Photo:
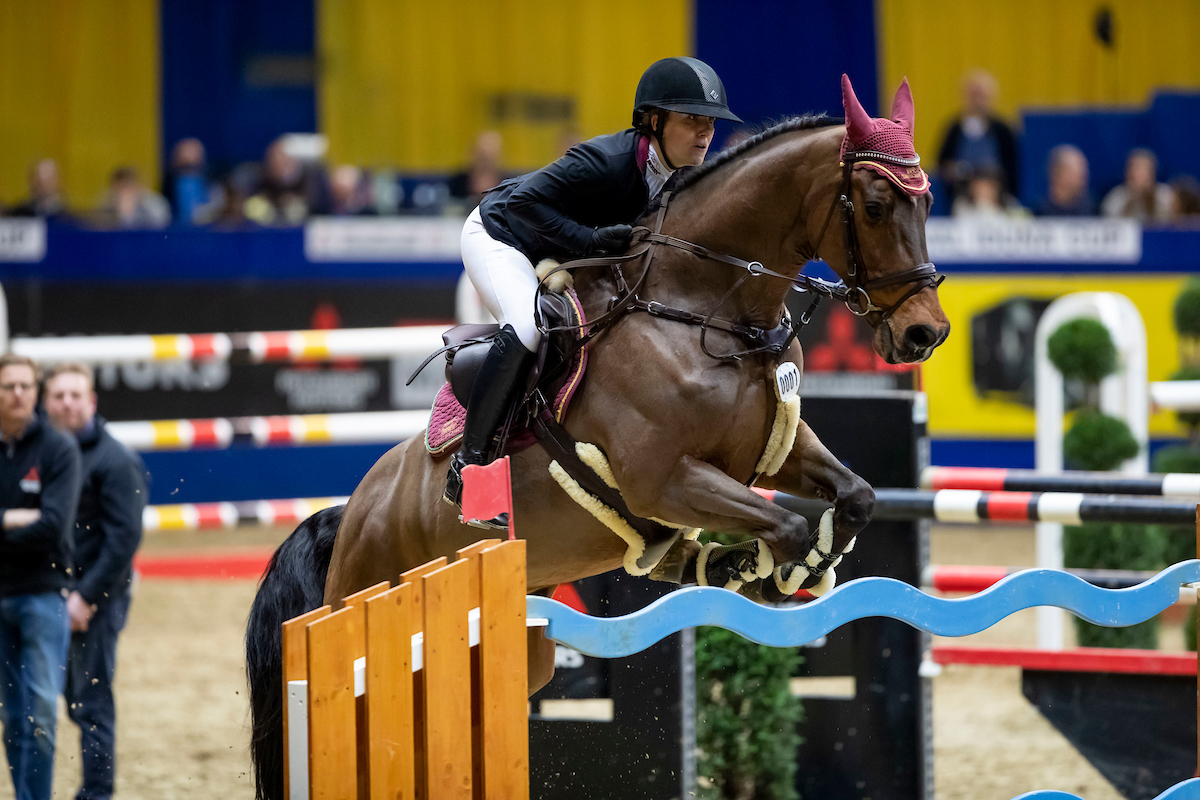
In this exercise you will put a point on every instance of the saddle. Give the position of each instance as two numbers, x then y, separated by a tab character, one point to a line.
557	373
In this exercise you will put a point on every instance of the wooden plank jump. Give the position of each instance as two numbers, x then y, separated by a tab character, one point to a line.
416	690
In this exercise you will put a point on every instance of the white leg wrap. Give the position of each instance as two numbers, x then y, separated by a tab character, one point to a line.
828	580
813	561
825	532
792	584
702	563
764	563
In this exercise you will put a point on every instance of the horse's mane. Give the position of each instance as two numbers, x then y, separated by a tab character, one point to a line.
760	134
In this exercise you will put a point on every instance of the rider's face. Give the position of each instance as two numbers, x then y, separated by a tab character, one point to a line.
686	138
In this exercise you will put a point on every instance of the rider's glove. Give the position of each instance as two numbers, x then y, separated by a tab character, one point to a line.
613	239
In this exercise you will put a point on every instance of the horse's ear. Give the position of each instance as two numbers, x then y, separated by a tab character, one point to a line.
858	121
902	106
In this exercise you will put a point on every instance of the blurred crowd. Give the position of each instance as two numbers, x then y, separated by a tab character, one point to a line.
289	185
977	166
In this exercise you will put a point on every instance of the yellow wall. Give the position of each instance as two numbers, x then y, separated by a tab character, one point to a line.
79	82
957	411
408	82
1041	53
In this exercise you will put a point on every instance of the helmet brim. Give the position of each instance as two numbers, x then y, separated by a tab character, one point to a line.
702	109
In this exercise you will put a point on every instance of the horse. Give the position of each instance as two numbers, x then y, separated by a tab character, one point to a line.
681	418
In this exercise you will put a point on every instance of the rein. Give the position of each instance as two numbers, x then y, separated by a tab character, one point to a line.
855	293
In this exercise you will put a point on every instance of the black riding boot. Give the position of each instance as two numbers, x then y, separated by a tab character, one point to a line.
500	377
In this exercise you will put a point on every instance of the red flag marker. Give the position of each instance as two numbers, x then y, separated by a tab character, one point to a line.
487	492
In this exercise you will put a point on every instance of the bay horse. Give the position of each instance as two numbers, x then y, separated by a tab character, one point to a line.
682	431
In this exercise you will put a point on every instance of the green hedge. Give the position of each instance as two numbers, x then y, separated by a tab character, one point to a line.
1098	442
1083	349
746	718
1098	545
1187	310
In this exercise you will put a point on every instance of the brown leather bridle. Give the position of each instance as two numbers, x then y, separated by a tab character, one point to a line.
854	292
858	285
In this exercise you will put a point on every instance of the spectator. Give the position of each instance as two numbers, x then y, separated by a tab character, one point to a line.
193	200
1141	197
984	196
1067	195
108	529
349	193
129	204
45	195
287	191
483	173
39	492
978	139
1185	201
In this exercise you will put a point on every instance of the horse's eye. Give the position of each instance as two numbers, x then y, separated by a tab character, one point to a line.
875	211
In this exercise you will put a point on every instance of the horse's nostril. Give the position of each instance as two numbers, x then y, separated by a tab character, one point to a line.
920	337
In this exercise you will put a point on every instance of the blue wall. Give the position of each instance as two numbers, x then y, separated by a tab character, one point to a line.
207	46
788	57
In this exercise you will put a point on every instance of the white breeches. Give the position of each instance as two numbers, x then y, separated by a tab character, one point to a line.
504	279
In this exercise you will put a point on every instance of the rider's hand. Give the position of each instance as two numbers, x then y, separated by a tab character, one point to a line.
613	239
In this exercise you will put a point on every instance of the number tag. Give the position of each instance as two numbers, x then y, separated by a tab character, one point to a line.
787	381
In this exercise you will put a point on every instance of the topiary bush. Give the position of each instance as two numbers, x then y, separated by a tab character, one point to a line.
1083	349
1177	458
746	718
1189	419
1098	442
1187	310
1099	545
746	714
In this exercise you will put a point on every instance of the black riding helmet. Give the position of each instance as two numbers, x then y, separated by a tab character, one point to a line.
682	84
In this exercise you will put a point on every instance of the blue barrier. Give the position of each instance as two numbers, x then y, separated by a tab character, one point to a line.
616	637
1188	790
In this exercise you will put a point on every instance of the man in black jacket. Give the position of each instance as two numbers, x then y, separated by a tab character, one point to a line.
108	529
39	492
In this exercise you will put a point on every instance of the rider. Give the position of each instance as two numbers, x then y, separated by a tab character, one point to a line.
579	206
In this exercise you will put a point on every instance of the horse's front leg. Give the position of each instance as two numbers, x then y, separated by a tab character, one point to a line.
698	495
812	471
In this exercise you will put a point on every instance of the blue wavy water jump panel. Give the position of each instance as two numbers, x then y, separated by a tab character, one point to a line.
1187	790
865	597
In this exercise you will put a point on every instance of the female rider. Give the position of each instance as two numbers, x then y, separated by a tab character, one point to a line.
579	206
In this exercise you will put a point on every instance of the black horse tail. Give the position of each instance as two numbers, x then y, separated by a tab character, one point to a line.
293	584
